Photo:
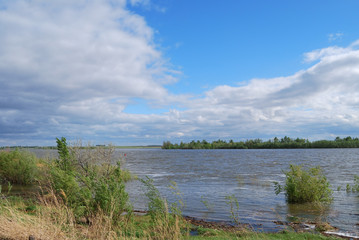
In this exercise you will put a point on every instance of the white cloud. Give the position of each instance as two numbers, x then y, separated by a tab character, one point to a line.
91	49
70	68
325	52
72	58
317	101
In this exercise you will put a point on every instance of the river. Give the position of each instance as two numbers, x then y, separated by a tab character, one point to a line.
205	177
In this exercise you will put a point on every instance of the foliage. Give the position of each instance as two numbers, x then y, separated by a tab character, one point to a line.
156	204
18	167
64	161
88	181
302	186
274	143
233	203
355	187
109	193
167	225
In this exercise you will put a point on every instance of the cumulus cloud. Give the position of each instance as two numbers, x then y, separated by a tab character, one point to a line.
79	59
319	101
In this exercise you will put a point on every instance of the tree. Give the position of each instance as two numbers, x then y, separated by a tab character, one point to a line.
64	160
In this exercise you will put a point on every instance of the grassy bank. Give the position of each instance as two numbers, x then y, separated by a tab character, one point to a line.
49	218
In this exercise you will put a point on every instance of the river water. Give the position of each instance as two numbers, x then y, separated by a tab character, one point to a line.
205	177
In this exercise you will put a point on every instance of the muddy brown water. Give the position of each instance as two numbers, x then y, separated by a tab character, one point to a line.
205	177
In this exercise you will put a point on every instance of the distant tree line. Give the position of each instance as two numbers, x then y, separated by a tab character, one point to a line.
275	143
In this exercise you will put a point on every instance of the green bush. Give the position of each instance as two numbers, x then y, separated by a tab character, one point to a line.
18	167
108	192
85	185
64	183
303	186
64	161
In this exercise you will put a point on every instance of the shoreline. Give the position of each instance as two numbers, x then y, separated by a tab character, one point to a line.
301	227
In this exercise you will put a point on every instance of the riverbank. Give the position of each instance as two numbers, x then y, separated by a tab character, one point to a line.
49	219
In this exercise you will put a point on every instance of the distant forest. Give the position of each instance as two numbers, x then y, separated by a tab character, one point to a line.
275	143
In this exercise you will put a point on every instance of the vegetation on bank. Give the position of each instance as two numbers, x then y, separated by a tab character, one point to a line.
49	218
275	143
82	196
18	167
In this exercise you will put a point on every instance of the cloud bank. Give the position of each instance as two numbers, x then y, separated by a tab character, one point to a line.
72	68
319	102
68	65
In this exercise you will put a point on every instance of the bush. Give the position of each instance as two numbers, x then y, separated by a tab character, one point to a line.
108	192
18	167
87	186
303	186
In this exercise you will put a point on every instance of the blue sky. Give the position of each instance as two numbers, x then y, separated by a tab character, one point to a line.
216	43
138	72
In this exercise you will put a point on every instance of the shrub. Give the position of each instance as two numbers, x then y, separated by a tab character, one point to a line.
87	186
18	167
65	184
64	161
109	193
303	186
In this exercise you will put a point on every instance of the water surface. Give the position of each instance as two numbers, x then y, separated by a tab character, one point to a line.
206	177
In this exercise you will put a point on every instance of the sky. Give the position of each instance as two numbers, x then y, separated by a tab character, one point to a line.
140	72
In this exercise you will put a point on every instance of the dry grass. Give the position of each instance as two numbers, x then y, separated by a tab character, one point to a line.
53	220
163	229
15	224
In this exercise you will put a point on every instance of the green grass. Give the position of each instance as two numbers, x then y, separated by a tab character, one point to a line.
221	235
